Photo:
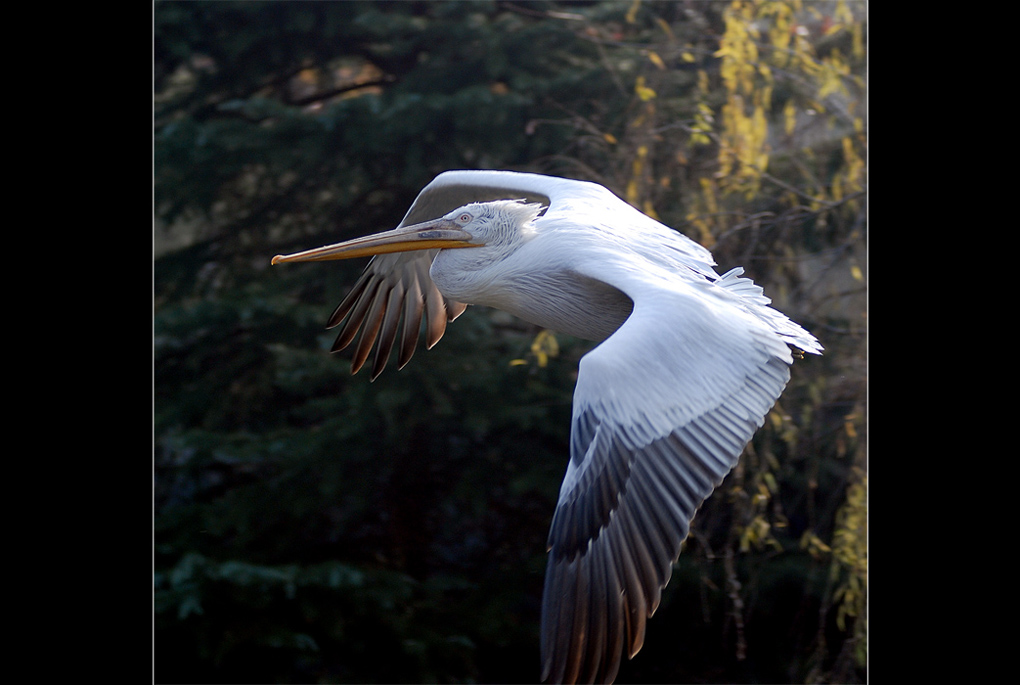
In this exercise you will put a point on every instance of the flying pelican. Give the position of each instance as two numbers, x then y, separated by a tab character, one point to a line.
687	366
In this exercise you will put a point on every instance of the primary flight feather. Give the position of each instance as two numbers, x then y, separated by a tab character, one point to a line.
688	365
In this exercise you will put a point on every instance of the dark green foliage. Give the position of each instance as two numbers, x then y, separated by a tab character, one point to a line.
311	526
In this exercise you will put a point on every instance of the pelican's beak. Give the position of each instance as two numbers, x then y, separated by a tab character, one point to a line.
440	234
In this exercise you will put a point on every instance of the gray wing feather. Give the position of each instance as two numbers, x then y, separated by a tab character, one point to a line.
613	542
647	448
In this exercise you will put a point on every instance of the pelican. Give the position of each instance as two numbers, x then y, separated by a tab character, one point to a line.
687	365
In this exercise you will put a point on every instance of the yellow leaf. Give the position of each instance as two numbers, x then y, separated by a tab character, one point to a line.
855	271
665	27
848	425
632	192
610	138
843	12
544	346
687	57
789	117
656	60
643	91
632	12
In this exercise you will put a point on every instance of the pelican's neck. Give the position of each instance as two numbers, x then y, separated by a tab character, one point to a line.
522	283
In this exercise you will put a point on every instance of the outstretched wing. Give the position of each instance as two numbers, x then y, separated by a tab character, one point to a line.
396	288
390	286
662	410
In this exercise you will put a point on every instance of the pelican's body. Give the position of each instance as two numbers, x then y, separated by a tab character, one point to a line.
688	365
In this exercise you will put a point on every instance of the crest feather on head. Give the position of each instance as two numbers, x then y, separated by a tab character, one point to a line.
522	210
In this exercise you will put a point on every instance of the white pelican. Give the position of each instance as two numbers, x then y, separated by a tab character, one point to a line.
688	365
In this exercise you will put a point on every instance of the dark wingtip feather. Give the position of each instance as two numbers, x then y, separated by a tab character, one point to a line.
356	318
454	309
388	330
370	330
351	299
414	305
435	312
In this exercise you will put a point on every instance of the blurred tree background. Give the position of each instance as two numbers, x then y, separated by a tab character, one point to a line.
312	527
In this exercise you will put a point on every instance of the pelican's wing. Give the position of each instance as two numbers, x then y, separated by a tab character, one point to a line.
392	285
662	410
397	287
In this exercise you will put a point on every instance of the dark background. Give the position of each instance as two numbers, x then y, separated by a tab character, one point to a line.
310	526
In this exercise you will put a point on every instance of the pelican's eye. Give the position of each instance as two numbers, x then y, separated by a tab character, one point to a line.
464	218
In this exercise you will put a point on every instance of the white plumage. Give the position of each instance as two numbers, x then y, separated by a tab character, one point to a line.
688	365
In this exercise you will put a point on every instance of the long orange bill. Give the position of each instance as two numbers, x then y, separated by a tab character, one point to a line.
430	235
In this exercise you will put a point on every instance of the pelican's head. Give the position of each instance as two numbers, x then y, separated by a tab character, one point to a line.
498	224
494	225
498	228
